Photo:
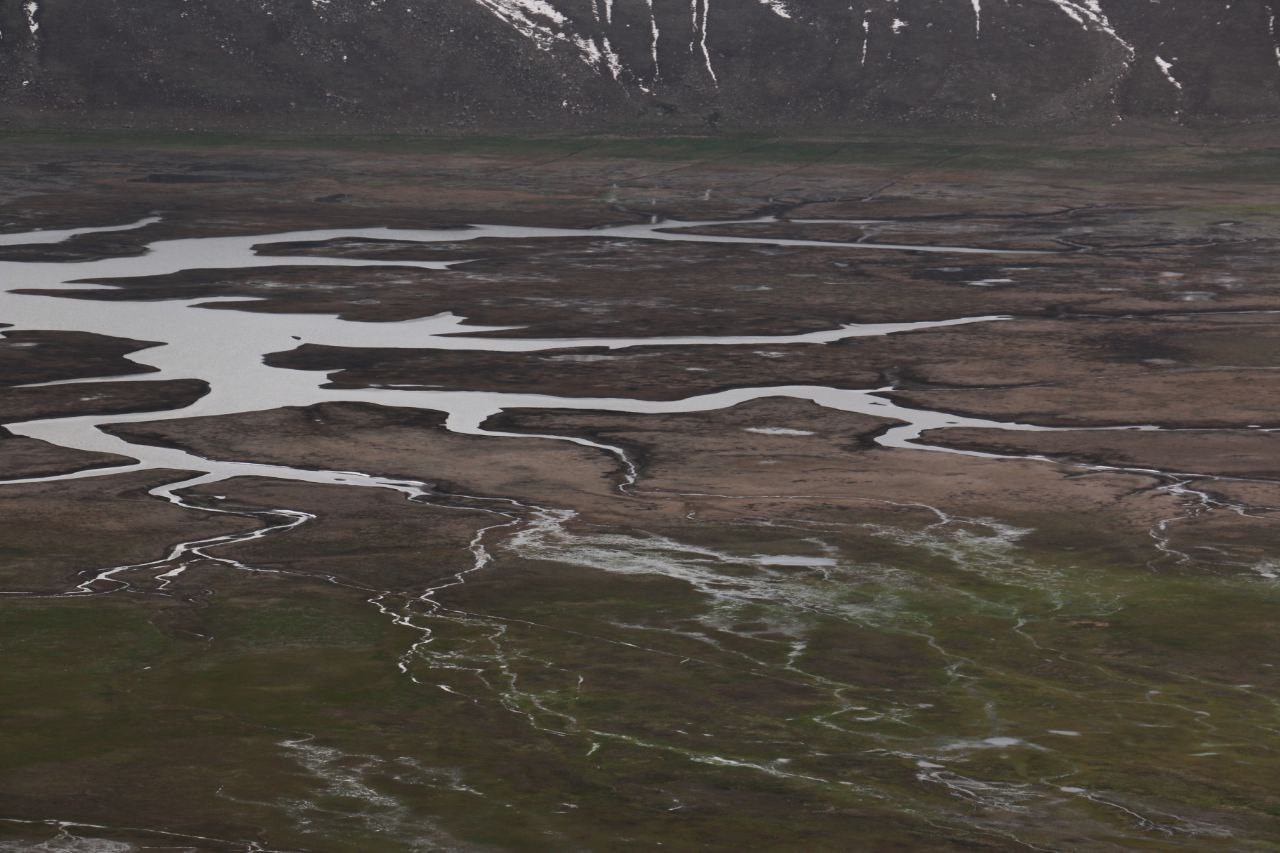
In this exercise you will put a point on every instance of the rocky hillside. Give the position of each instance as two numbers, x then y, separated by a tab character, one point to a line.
492	64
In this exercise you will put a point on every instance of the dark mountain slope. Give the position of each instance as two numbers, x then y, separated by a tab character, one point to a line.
491	64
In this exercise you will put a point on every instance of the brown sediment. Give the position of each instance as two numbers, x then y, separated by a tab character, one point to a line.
712	461
22	458
1180	399
97	398
1042	371
646	373
393	442
823	465
1215	453
31	356
52	532
371	538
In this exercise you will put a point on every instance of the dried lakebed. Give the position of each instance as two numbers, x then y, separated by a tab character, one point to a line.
374	614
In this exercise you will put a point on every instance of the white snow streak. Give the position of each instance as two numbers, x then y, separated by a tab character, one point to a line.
777	7
611	57
534	19
653	44
1271	28
866	36
1167	68
544	25
701	11
1088	13
31	7
590	51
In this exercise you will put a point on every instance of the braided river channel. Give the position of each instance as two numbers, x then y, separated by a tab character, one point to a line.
382	652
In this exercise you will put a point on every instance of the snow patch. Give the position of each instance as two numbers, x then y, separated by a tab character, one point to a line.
1166	67
611	58
1089	15
866	36
777	7
653	39
701	11
534	19
1271	28
545	25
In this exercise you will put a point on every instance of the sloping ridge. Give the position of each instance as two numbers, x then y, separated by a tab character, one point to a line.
495	64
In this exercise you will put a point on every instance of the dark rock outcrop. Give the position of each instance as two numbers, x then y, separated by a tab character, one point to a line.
435	65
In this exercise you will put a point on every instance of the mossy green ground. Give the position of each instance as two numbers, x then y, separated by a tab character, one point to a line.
1208	159
910	699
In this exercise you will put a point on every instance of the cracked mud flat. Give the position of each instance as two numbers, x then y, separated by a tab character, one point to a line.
541	522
